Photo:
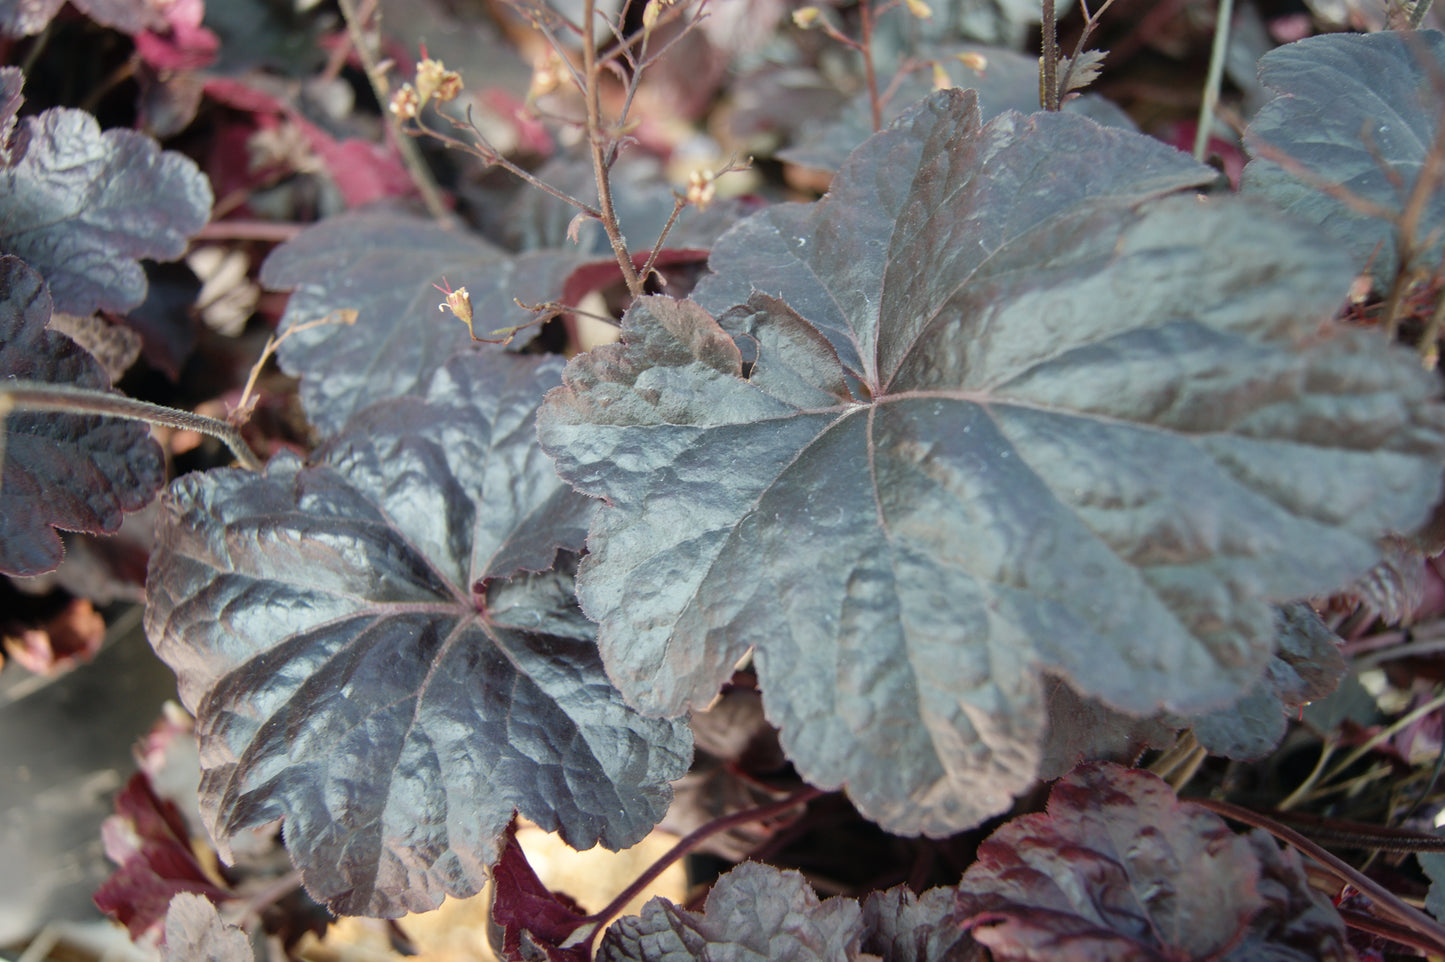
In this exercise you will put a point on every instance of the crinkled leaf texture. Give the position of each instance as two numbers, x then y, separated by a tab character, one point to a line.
1354	110
84	207
66	471
1306	667
196	933
382	263
1120	869
753	912
993	416
377	647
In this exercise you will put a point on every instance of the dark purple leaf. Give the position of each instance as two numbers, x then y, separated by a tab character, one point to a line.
1356	111
903	927
21	18
1008	81
1034	417
383	264
529	914
83	207
196	933
377	648
753	912
148	841
67	471
1120	869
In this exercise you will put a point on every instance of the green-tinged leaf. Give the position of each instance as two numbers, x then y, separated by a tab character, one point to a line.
378	649
995	407
1357	112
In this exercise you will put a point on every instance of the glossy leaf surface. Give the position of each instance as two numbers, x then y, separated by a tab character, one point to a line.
1025	425
84	207
1357	111
66	471
378	649
1120	869
383	264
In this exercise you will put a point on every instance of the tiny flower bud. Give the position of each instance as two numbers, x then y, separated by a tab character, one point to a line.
405	103
805	17
459	302
546	76
976	62
941	79
701	189
919	9
433	79
652	12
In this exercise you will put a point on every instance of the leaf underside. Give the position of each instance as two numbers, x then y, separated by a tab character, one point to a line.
66	471
378	649
1358	111
978	415
84	207
383	264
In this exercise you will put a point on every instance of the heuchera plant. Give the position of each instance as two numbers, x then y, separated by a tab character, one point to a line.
1020	447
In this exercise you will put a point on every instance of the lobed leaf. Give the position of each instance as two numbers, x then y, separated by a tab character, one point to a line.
84	207
1120	869
383	264
1357	111
753	912
1029	426
1007	81
378	648
195	932
67	471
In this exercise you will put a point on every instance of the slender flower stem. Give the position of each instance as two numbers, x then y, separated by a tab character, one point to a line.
38	396
1222	19
687	844
1049	75
592	95
1418	11
874	103
411	157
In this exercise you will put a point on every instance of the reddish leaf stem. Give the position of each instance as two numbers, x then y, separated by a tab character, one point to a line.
38	396
687	844
1387	902
874	103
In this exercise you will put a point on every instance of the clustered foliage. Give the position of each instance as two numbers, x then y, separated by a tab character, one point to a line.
1021	448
